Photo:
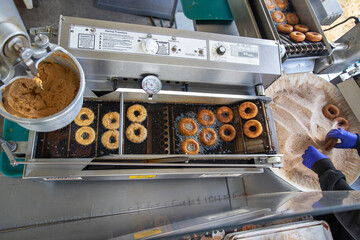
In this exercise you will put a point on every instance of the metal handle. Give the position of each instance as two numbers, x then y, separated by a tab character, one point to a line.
11	146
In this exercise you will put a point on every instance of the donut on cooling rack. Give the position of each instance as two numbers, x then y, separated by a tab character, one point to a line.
313	36
136	113
330	111
188	127
292	18
252	128
208	137
224	114
278	16
227	132
248	110
285	28
270	4
297	36
206	117
342	123
85	136
190	146
85	117
110	139
301	28
281	3
111	120
136	133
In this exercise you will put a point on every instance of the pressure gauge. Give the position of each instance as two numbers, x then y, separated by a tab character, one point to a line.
151	84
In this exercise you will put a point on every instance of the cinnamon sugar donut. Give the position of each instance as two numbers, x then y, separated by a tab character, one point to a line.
270	4
85	135
110	139
278	16
330	143
313	36
252	128
208	137
190	146
111	120
330	111
136	133
188	127
85	117
342	123
297	36
227	132
206	117
301	28
281	3
292	18
285	28
248	110
136	113
224	114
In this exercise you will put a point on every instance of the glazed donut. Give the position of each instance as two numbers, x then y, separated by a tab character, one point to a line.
342	123
111	120
285	28
301	28
136	113
330	111
208	137
188	127
278	16
85	135
85	117
292	18
190	146
252	128
313	36
110	139
297	36
248	110
281	3
136	133
330	143
227	132
206	117
270	4
224	114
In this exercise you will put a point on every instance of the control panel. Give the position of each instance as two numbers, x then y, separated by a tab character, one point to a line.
113	40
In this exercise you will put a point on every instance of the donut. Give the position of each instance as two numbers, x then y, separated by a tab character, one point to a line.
330	144
85	117
330	111
252	128
206	117
136	133
111	120
270	4
227	132
285	28
278	16
342	123
224	114
297	36
208	137
190	146
85	135
313	36
292	18
281	3
110	139
136	113
248	110
301	28
188	127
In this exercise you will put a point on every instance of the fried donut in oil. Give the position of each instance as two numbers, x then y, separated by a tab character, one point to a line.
248	110
190	146
110	139
111	120
270	4
208	137
224	114
285	28
85	117
252	128
281	3
136	113
136	133
292	18
301	28
278	16
227	132
85	135
188	127
206	117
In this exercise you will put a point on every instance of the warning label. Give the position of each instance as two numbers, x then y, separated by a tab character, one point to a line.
163	48
86	41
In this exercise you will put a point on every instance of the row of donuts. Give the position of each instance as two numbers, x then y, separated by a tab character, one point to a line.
85	135
135	132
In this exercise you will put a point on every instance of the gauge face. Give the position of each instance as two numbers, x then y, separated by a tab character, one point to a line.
151	84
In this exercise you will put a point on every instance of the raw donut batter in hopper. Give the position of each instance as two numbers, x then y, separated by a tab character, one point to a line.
24	97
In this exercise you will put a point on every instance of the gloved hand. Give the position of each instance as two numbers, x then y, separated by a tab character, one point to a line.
311	156
348	139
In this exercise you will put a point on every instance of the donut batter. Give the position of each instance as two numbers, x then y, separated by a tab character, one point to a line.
25	98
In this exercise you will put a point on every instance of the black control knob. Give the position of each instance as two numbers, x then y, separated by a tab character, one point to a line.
221	50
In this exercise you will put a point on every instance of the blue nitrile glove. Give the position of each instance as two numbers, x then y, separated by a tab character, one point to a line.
348	139
311	156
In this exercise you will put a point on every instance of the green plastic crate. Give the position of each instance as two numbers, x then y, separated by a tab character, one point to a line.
207	9
12	132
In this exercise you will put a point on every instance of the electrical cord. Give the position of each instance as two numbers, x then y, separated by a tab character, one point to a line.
357	20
